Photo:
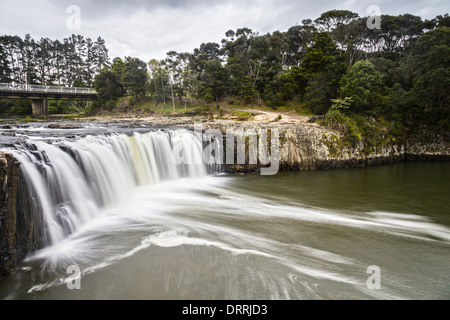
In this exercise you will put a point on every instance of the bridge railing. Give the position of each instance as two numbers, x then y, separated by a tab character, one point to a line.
44	89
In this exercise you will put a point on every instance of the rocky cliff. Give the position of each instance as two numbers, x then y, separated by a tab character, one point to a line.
21	224
309	147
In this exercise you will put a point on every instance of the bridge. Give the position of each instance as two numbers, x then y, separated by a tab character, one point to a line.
40	95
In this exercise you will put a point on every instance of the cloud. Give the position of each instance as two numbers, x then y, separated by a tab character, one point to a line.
149	29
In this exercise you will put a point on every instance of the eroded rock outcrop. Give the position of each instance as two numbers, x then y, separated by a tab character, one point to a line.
21	223
309	147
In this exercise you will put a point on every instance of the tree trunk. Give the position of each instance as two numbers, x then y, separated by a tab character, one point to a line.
162	86
173	98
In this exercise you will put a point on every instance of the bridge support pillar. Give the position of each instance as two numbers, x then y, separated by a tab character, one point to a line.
40	107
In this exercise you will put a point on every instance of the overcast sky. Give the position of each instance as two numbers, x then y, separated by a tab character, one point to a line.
150	28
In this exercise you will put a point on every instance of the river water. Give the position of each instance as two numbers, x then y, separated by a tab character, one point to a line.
197	235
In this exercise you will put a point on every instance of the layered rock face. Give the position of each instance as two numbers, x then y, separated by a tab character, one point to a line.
21	223
309	147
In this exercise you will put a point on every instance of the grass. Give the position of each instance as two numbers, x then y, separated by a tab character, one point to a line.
299	108
241	115
305	112
72	117
148	106
27	119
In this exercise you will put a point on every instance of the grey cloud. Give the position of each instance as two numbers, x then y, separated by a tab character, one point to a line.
149	29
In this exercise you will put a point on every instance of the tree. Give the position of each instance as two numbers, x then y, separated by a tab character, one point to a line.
400	33
362	85
322	67
213	81
153	66
350	37
118	66
108	86
158	79
246	53
431	61
134	77
43	61
177	64
298	39
331	20
28	60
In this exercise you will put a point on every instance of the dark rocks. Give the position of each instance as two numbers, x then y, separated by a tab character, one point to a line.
21	223
64	126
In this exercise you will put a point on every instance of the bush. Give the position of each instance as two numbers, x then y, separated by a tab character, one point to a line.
21	107
61	107
336	119
110	105
319	93
363	84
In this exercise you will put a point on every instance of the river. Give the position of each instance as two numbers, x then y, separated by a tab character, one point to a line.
198	235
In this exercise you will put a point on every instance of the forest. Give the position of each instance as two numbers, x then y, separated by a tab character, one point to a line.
334	66
73	62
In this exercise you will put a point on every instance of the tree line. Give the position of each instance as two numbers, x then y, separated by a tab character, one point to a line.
405	64
74	61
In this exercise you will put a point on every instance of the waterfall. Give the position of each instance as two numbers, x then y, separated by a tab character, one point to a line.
73	180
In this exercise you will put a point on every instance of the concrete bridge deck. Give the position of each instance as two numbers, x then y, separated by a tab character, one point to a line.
39	95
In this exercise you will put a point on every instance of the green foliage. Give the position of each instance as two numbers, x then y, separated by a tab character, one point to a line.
362	84
15	107
21	107
247	92
323	67
332	19
134	77
341	104
51	62
431	86
61	107
108	86
336	119
241	115
27	119
213	81
318	94
118	66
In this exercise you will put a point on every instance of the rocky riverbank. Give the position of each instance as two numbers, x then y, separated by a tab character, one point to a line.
307	146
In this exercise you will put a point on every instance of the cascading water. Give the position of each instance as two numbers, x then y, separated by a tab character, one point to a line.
72	180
